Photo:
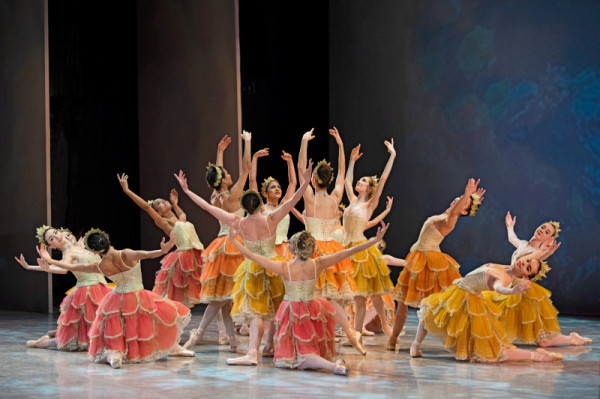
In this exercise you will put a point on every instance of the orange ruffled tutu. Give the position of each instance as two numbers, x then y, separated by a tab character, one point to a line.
221	260
141	325
337	281
425	273
77	313
302	329
257	292
283	251
529	317
179	276
371	273
467	323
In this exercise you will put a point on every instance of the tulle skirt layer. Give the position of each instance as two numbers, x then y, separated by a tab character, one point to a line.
371	273
335	282
221	260
179	277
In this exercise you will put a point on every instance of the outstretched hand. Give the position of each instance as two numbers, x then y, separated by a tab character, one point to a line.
166	246
286	156
306	173
246	136
123	181
43	264
471	187
550	246
174	196
224	143
182	180
43	252
509	220
21	261
336	135
309	135
261	153
381	230
389	202
523	286
355	154
390	146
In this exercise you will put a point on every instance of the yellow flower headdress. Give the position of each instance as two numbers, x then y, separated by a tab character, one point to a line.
250	192
266	183
475	204
544	268
316	176
219	174
556	226
40	232
89	233
151	203
341	207
374	184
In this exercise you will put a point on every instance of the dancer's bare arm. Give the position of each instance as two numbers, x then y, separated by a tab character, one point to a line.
174	200
223	144
65	263
302	159
354	156
510	229
374	200
130	255
238	188
275	266
292	181
338	191
139	201
388	207
275	217
51	269
393	261
252	183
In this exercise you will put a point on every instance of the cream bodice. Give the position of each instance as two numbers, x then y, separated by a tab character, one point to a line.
476	281
320	229
128	281
186	236
354	225
224	231
429	238
87	279
282	228
522	250
264	247
300	291
338	235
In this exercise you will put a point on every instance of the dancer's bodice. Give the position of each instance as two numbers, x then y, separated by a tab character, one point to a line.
354	225
186	236
264	247
224	231
87	279
338	235
282	228
320	229
476	281
129	280
429	238
302	290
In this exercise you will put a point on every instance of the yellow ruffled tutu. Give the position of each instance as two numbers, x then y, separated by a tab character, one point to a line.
529	317
371	273
256	293
425	273
467	323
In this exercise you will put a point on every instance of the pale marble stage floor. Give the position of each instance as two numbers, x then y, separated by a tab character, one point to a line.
39	373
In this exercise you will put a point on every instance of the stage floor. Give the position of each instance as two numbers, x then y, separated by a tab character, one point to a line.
48	373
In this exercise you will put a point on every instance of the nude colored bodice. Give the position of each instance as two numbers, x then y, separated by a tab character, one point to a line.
224	231
129	280
429	238
282	228
476	281
299	291
264	247
87	279
186	236
338	235
320	229
354	225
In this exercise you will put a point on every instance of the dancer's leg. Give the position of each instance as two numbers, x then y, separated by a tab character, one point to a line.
256	333
269	349
229	327
209	314
421	333
317	362
573	339
539	355
360	307
342	319
44	342
223	337
399	321
380	309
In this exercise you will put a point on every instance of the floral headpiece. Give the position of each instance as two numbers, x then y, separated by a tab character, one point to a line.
316	176
341	207
556	226
40	232
475	204
219	174
151	203
374	184
544	268
266	183
250	192
89	233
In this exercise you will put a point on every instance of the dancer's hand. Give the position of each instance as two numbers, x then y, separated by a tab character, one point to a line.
21	261
480	191
306	173
336	135
182	180
355	154
246	136
471	187
522	287
550	246
224	143
308	136
286	156
389	202
261	153
43	252
123	181
390	146
43	264
234	230
381	230
166	246
174	197
510	220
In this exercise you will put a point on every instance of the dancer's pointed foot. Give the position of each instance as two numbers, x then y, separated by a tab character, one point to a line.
180	351
38	343
247	360
578	340
195	338
367	333
223	338
415	351
355	340
541	355
115	360
340	368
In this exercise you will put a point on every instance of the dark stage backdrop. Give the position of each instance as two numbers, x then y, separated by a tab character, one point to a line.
22	140
508	92
188	99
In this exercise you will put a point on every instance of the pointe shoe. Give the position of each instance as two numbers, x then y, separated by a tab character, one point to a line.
367	333
246	360
340	368
541	355
244	330
356	341
415	351
336	340
115	360
36	343
181	352
195	338
233	345
223	338
390	346
268	351
578	340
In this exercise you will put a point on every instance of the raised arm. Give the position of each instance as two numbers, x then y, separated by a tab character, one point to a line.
354	156
174	199
223	144
392	260
285	208
298	215
544	252
218	213
510	229
66	262
254	168
323	262
130	255
275	266
292	182
238	188
382	215
50	269
457	208
139	201
338	191
384	176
